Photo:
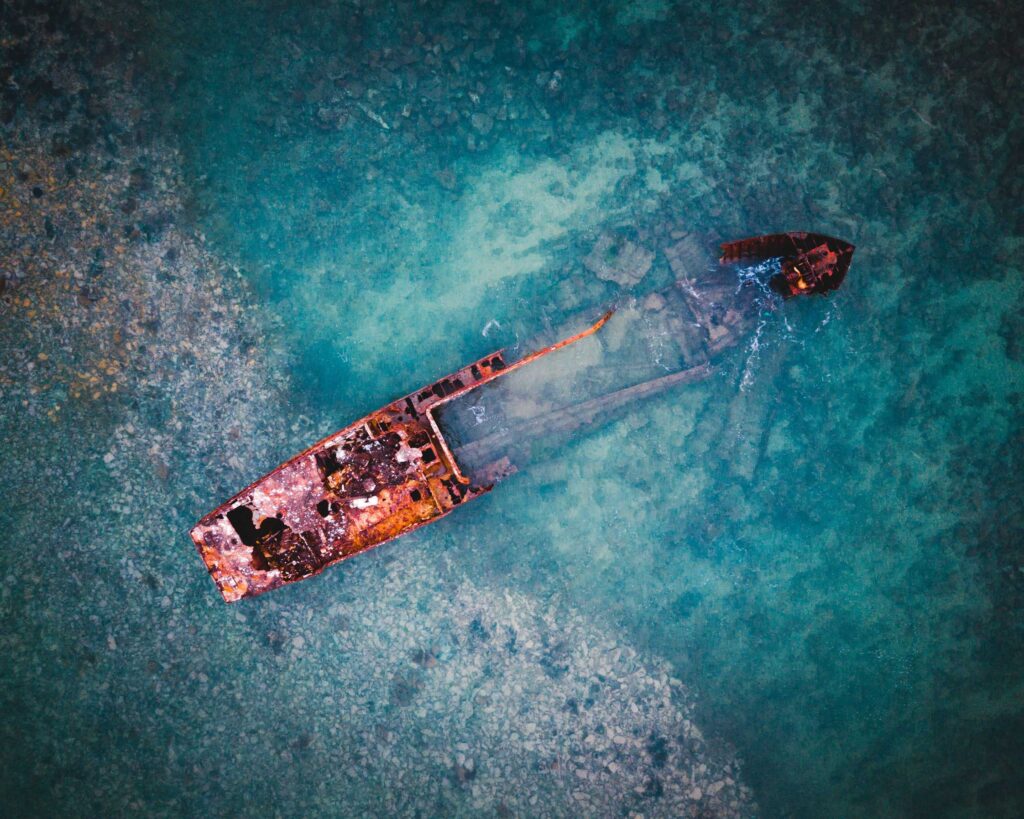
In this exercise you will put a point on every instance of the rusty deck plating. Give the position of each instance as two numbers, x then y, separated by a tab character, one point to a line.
811	262
376	479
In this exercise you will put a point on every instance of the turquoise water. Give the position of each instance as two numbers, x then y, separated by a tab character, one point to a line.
257	221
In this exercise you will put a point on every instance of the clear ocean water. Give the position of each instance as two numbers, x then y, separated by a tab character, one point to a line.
230	228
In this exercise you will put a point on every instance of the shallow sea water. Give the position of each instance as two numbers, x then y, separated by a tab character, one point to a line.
793	589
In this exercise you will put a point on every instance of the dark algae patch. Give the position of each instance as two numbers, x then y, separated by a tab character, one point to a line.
792	589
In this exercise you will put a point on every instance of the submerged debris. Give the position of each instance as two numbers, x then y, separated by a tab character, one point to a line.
685	257
394	471
618	260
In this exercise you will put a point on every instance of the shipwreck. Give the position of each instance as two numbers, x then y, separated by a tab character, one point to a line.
408	464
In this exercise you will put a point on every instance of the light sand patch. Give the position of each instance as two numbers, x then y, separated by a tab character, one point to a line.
512	223
510	214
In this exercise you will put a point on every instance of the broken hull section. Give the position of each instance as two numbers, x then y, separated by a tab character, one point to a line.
399	468
383	476
378	478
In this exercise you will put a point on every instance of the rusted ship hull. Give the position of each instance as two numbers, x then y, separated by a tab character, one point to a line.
394	471
383	476
811	262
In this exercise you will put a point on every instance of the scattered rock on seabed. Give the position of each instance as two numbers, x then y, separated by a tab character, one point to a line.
524	706
618	260
687	258
113	299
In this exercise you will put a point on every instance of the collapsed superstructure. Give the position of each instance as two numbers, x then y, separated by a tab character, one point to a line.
395	470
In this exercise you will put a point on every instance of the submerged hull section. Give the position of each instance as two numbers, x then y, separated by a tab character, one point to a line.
394	471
